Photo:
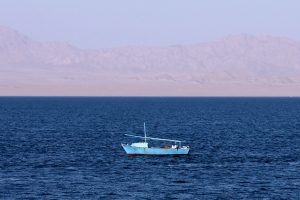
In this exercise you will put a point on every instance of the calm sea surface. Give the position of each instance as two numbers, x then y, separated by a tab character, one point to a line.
70	148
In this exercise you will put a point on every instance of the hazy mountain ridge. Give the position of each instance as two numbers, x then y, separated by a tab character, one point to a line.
240	60
240	53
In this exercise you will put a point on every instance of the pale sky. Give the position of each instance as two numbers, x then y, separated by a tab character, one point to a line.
110	23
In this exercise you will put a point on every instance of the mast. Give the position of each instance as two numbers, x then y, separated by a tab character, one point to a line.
145	132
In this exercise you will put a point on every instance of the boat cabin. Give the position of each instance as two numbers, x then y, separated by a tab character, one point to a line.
140	144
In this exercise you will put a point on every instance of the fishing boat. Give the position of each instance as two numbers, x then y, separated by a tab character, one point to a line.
142	148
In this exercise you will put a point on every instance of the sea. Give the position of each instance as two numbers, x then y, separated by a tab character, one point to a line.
70	148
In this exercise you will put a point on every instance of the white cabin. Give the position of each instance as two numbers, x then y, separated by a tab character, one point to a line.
140	144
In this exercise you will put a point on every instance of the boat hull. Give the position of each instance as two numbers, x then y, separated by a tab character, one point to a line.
138	151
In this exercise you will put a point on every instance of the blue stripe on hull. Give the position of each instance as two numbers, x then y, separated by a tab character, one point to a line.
132	151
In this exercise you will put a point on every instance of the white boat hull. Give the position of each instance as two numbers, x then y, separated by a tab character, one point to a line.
154	151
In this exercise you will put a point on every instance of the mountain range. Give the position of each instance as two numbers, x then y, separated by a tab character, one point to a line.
238	65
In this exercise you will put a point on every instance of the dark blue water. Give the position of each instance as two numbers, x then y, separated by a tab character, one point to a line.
66	148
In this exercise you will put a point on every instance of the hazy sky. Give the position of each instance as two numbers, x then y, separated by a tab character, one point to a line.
111	23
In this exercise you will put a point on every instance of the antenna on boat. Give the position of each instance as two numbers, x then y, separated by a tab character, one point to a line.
145	131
